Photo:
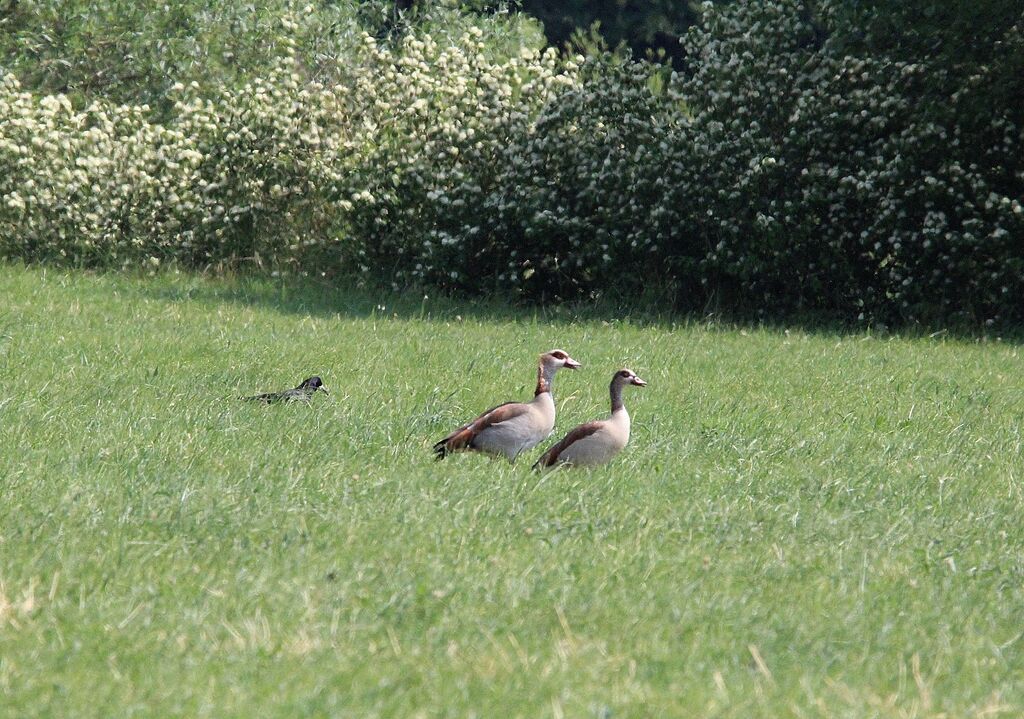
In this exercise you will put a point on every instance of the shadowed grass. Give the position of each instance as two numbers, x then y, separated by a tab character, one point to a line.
802	525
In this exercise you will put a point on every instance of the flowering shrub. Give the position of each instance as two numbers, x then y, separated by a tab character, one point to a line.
134	51
786	171
434	126
272	159
84	186
233	177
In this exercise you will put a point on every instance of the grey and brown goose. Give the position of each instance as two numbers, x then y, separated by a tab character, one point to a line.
513	427
596	442
303	393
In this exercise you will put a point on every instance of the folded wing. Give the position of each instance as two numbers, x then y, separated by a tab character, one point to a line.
556	452
464	436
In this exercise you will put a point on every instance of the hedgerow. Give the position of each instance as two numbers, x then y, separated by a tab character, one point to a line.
785	170
829	180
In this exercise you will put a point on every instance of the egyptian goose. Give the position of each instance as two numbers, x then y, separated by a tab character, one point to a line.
510	428
596	442
303	393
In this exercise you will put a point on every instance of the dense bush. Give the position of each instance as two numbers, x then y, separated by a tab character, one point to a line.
588	200
648	26
788	169
524	174
831	181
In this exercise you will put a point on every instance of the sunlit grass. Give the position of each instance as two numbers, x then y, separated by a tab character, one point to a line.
804	524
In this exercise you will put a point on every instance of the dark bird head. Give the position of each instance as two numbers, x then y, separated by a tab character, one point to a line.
312	384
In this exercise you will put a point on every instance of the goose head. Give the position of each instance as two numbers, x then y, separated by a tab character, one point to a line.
556	360
627	376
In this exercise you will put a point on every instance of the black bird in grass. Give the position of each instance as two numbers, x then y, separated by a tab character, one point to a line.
303	393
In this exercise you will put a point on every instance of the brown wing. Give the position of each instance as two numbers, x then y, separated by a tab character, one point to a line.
550	457
463	437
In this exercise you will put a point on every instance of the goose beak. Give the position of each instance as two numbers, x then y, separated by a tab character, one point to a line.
324	390
572	364
638	382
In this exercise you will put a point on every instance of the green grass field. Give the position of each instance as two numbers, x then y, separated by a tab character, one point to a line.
805	524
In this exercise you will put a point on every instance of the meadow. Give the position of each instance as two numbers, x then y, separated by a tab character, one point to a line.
806	523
